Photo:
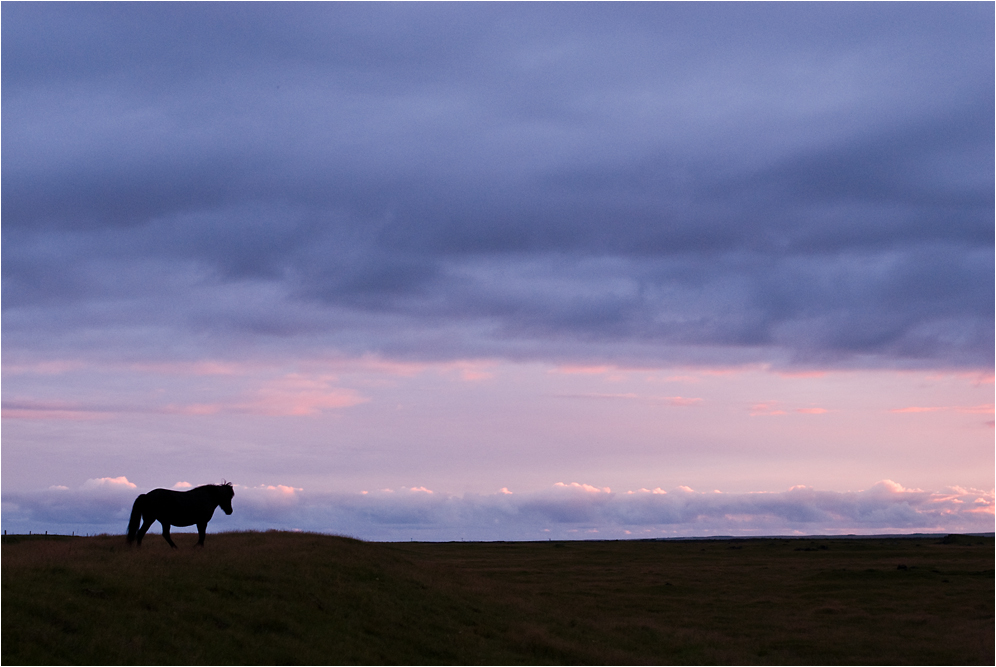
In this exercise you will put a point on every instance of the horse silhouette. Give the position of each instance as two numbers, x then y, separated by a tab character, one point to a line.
179	508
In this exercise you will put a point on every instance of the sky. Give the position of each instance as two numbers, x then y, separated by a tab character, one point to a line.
500	271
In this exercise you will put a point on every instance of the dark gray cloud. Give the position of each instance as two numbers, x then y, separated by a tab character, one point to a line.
661	182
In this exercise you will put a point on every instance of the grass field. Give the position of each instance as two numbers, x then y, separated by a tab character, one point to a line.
292	598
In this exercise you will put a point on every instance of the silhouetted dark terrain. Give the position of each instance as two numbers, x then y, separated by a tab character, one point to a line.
293	598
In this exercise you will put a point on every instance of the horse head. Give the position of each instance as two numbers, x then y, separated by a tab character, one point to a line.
225	497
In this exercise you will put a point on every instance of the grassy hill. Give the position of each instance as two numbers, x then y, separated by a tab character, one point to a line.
287	598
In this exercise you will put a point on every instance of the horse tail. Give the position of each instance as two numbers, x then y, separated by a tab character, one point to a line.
136	518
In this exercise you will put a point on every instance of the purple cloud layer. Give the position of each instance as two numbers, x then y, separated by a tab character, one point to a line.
626	182
565	511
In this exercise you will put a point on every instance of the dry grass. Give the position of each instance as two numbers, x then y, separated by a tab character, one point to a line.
285	598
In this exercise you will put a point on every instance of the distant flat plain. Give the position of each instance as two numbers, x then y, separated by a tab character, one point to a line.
299	598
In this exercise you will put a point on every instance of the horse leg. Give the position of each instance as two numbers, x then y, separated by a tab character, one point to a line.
143	530
201	530
166	533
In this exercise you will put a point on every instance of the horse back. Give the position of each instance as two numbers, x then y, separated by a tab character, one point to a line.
180	508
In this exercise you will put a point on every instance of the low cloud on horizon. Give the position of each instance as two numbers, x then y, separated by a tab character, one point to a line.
564	511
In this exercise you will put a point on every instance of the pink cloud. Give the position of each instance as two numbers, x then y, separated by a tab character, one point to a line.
587	488
304	403
54	367
285	490
369	363
612	373
975	378
297	394
293	394
52	410
108	483
888	486
582	370
984	409
808	374
64	415
194	409
680	401
265	498
677	401
976	409
469	371
812	411
769	409
733	370
600	395
196	368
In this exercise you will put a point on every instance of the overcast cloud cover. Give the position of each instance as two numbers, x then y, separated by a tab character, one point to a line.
798	182
793	186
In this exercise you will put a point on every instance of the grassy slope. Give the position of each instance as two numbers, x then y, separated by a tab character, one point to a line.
284	598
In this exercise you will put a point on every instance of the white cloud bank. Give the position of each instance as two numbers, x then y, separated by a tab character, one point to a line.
565	511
